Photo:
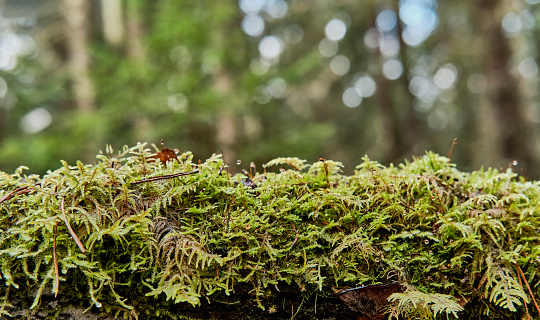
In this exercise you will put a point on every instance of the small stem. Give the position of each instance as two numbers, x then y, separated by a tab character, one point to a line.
56	272
169	176
73	235
528	287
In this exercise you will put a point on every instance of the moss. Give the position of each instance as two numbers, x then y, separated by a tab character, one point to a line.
276	243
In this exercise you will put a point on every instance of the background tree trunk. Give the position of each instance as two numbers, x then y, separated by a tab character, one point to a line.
76	18
513	128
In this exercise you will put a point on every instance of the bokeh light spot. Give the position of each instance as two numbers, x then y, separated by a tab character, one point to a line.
253	25
528	68
278	88
477	83
35	121
328	48
340	65
270	47
251	6
335	29
262	95
389	46
293	33
276	8
3	87
392	69
366	86
352	98
386	20
445	77
177	102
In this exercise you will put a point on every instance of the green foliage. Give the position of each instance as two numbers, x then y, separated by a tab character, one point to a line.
209	236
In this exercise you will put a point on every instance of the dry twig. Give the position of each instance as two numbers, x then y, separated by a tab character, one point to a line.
56	273
168	176
521	275
73	235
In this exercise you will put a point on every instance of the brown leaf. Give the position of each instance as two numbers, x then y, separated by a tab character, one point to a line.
166	154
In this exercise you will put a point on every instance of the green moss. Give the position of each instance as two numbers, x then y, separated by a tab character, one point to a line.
269	250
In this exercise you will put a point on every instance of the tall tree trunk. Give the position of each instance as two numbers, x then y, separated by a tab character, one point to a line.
76	18
515	132
113	27
134	32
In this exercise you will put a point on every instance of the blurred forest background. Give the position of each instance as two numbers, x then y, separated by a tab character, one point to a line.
259	79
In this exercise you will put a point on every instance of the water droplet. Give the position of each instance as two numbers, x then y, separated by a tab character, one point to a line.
426	241
377	260
238	162
451	241
430	252
445	277
444	247
264	166
515	162
282	170
264	178
252	164
466	270
510	240
248	227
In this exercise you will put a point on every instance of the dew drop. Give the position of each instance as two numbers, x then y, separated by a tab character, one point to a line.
510	240
238	162
445	277
444	247
426	241
466	270
264	178
451	241
515	162
252	164
282	170
430	252
264	166
377	260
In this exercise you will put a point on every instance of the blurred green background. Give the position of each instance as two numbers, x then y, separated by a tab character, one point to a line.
259	79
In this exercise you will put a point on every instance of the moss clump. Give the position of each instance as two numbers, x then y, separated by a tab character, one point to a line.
275	243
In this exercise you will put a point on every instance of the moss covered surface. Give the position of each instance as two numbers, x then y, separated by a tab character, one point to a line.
273	242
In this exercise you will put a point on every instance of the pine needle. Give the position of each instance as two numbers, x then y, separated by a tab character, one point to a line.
56	272
73	235
521	275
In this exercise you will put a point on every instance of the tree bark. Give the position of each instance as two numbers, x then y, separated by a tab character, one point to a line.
113	26
76	19
515	132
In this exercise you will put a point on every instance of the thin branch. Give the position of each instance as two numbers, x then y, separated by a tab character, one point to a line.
168	176
73	235
56	273
528	287
16	192
454	143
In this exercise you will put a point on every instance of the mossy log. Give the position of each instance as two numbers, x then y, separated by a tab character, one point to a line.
144	235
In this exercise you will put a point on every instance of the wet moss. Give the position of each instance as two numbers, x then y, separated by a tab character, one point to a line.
272	243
